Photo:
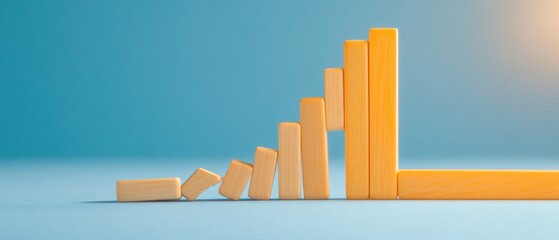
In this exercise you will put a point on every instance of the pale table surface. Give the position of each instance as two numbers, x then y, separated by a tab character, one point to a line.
75	199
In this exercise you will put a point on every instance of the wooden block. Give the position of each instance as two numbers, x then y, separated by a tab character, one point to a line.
356	101
334	98
289	160
156	189
235	180
383	114
263	171
314	149
198	182
478	184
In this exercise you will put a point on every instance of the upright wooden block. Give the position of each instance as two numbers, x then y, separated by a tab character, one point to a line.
383	114
148	190
235	180
289	160
478	184
314	147
356	101
198	182
263	171
334	98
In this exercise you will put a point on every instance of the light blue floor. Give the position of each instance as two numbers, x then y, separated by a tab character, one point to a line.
61	200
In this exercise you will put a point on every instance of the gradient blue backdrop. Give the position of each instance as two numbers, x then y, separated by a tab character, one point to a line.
145	79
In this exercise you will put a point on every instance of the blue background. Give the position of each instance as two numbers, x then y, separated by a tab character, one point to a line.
96	91
147	79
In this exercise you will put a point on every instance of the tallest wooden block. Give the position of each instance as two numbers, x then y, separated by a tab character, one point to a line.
356	114
383	114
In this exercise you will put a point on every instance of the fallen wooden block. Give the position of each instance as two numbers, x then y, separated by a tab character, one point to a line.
156	189
383	112
198	182
263	171
478	184
289	160
334	98
356	102
314	147
235	179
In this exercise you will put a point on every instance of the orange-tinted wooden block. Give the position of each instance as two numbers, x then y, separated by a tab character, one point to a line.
478	184
334	98
383	112
356	102
314	149
198	182
289	160
235	180
263	171
156	189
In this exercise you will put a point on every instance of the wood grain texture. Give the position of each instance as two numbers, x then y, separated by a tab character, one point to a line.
334	98
356	101
263	171
383	112
314	149
235	179
289	160
478	184
156	189
198	182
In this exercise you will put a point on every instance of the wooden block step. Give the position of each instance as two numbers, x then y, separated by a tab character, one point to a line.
383	114
289	160
235	179
314	149
156	189
356	101
334	98
263	171
198	182
478	185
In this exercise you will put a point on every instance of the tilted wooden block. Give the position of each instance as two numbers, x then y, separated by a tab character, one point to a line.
356	101
156	189
289	160
314	147
478	184
263	171
235	179
383	114
334	98
198	182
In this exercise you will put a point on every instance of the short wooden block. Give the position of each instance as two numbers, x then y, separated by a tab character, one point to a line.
383	112
356	101
314	149
156	189
334	98
235	180
263	171
289	160
478	184
198	182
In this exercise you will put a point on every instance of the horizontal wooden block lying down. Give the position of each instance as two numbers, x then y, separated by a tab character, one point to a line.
156	189
478	184
198	182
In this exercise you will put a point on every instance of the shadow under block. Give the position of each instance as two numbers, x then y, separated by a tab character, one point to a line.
263	171
314	149
198	182
156	189
235	180
478	184
289	160
356	101
383	114
334	98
